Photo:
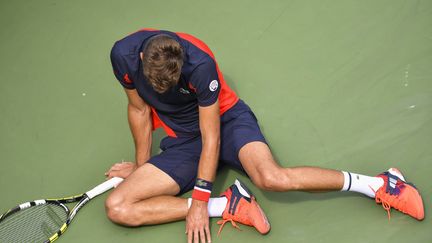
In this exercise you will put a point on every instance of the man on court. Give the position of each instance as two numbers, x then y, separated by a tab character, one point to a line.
172	81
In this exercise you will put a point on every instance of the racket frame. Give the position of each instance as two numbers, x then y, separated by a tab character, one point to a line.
82	199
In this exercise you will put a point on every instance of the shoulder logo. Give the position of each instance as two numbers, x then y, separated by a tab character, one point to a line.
213	85
127	79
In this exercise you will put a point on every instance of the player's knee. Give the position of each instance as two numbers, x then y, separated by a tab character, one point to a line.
276	180
117	210
113	207
268	181
264	180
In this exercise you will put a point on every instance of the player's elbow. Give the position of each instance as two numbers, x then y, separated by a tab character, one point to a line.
143	111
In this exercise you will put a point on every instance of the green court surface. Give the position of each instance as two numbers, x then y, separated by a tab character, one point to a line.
338	84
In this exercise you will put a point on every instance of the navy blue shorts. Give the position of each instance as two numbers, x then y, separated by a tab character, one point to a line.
180	156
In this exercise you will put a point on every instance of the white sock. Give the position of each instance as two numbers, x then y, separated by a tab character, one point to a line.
216	206
366	185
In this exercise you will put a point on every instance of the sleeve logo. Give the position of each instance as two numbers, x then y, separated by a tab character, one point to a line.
213	85
127	79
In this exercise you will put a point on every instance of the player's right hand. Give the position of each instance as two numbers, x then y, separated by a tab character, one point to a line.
197	223
122	170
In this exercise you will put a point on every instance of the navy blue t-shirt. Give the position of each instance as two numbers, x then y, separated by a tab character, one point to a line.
201	83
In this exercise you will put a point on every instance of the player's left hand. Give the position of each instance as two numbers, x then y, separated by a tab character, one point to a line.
197	223
123	170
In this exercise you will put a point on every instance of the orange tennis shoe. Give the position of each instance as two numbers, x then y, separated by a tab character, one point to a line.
398	194
243	208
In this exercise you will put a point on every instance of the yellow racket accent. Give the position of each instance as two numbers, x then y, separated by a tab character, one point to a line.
63	228
66	198
54	237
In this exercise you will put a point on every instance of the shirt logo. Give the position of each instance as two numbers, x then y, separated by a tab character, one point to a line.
127	79
184	91
213	85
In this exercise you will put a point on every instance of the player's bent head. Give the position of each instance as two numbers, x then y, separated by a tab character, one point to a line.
162	62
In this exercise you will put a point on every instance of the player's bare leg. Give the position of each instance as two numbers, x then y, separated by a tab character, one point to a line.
259	164
388	188
147	196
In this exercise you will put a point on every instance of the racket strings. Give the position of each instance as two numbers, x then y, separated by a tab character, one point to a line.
34	224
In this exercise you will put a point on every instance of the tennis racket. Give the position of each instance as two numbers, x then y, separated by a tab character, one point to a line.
47	219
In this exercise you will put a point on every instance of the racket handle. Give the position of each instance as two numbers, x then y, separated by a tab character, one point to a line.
107	185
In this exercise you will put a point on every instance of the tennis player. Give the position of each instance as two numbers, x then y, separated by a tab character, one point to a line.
172	81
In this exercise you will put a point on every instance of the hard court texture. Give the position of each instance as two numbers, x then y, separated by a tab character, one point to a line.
338	84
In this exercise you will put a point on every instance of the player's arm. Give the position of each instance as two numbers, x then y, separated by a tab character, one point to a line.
205	82
140	123
209	120
198	220
138	116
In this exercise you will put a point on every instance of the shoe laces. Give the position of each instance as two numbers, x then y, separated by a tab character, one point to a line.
386	205
381	197
222	223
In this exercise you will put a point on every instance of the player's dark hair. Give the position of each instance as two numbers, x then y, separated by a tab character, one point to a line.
162	62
